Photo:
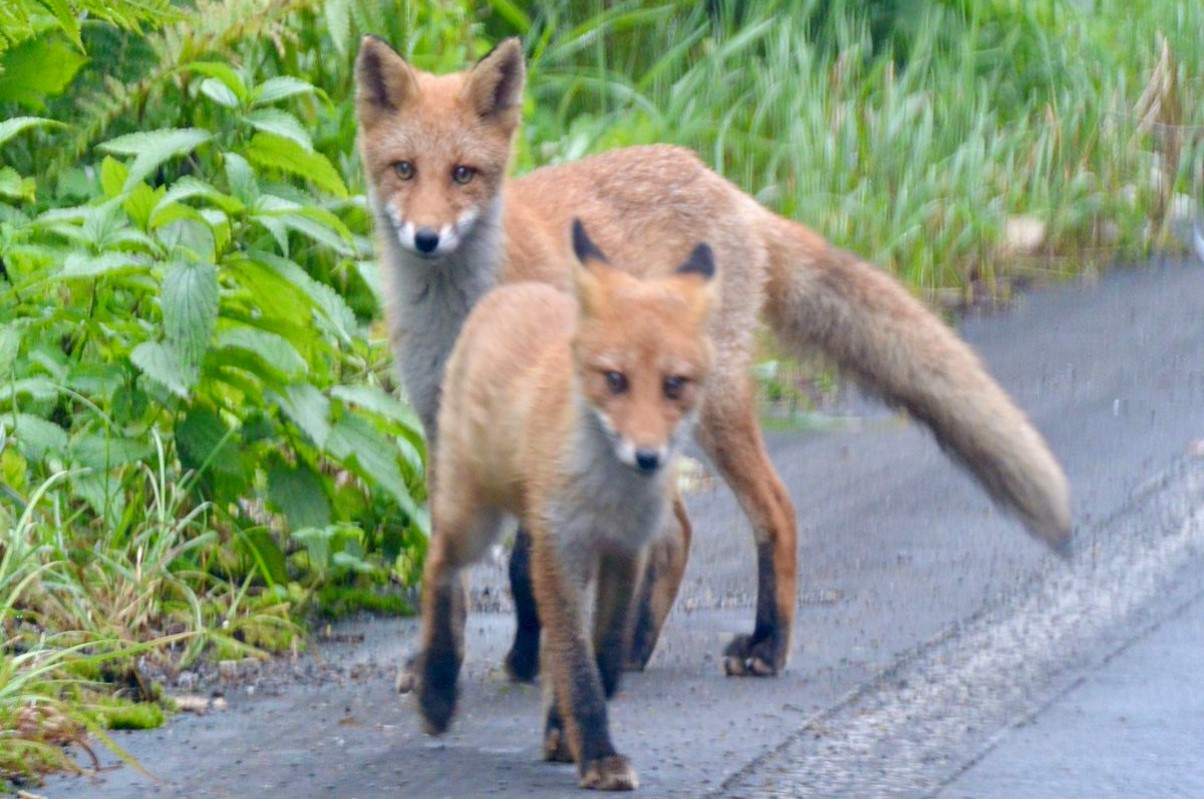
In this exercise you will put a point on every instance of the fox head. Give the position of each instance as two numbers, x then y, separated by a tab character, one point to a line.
641	350
436	147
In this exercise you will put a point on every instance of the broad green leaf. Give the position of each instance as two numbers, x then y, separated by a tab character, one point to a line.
280	123
206	445
113	175
328	301
151	148
187	188
29	389
101	451
274	351
274	152
372	456
190	301
15	187
298	493
224	74
373	399
36	437
219	93
338	24
139	202
278	88
309	409
112	262
103	492
241	178
38	69
162	364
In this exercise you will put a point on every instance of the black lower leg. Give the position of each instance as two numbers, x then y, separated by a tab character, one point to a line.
522	662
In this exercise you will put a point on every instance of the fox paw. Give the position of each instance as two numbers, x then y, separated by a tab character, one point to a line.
556	746
747	656
611	773
407	679
522	662
436	689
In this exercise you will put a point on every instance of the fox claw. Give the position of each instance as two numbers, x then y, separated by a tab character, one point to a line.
611	773
746	656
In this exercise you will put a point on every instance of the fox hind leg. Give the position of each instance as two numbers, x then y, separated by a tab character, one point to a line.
522	662
731	436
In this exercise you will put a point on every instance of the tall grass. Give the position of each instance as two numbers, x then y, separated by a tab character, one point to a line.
914	147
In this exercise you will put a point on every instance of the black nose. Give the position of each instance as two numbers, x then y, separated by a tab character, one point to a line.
647	460
426	240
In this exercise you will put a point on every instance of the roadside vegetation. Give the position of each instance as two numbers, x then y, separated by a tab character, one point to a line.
201	441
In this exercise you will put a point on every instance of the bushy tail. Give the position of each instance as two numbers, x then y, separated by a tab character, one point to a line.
825	299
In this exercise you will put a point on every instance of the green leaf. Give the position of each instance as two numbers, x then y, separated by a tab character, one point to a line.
38	69
338	23
15	187
186	188
225	75
266	553
273	351
190	301
206	445
309	409
274	152
373	399
109	263
152	148
10	346
274	89
299	494
161	364
241	178
36	437
34	389
101	451
328	301
280	123
11	127
65	15
113	175
219	93
372	456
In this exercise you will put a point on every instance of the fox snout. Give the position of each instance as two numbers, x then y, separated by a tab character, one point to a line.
429	240
645	459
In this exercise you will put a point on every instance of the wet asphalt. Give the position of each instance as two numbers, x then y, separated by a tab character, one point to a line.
939	652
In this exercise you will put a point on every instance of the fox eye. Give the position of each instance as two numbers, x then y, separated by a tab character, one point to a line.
615	381
404	170
463	174
674	386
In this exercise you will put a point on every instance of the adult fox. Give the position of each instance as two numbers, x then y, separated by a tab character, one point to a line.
567	414
450	225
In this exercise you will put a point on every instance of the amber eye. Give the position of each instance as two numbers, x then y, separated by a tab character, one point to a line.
674	386
463	174
404	170
615	381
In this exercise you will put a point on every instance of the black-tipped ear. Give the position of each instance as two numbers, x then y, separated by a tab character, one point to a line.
701	262
383	80
496	82
583	246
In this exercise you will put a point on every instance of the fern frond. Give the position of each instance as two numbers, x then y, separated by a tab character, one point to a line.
214	26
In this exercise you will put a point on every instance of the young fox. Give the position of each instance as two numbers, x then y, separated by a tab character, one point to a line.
567	415
450	225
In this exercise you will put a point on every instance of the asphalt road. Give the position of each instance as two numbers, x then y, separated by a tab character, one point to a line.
938	650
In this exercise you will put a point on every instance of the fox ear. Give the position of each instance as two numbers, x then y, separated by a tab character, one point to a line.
495	84
698	270
701	262
583	246
383	81
586	279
